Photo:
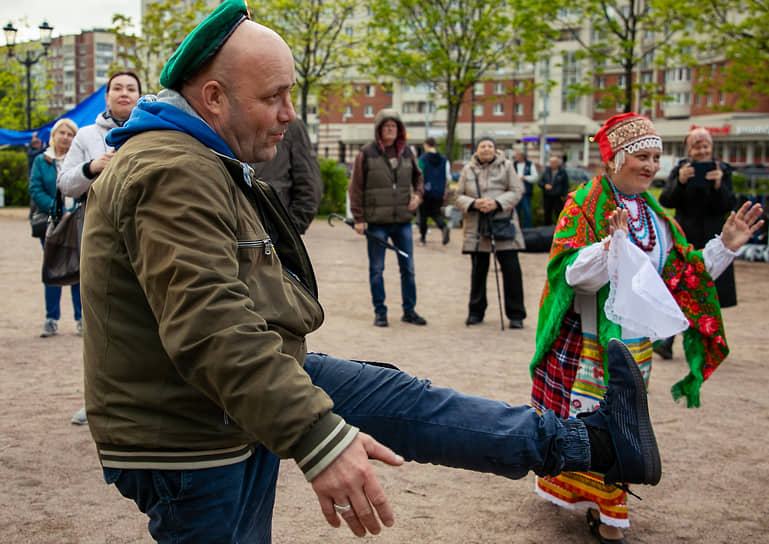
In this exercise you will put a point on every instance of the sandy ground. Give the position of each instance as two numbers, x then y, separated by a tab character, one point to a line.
715	470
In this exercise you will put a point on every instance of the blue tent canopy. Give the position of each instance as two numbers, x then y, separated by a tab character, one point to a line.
83	114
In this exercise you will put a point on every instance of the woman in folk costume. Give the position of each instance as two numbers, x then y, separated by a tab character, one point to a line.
620	267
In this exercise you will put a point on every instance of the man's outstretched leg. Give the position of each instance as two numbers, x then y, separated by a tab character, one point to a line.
622	420
436	425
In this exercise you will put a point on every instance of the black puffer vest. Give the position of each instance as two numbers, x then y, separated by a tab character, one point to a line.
387	191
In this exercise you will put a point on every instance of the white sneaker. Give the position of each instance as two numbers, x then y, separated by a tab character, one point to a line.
79	327
50	327
79	417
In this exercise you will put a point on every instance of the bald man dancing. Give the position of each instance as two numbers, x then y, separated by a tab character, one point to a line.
198	294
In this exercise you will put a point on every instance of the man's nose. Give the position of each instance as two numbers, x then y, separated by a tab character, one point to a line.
287	112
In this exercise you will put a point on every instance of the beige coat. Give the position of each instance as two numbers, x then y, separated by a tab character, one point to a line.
496	180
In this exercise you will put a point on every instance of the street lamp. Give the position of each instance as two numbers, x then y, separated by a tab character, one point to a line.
30	58
472	120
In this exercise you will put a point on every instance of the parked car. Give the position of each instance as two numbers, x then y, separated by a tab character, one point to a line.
578	176
756	179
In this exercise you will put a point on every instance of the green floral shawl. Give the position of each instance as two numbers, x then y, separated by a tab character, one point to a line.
584	221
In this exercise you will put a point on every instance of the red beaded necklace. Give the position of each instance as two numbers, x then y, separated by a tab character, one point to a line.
641	224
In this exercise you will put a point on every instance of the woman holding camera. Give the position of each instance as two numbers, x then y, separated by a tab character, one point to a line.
700	190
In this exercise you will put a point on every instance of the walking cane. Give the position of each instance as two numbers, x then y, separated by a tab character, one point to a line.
496	274
385	243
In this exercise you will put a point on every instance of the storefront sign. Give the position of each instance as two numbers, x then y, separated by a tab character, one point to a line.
753	130
716	131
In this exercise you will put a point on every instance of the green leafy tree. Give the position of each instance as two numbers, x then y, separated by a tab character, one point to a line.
322	35
14	177
13	93
622	36
164	25
334	187
451	44
736	31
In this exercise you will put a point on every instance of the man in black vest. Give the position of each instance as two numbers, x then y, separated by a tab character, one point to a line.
527	171
386	187
437	174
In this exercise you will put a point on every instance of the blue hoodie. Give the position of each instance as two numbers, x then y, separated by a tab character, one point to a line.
157	113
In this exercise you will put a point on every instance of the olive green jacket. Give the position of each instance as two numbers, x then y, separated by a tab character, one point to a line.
197	296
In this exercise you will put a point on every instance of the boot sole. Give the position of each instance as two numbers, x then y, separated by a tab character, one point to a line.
649	449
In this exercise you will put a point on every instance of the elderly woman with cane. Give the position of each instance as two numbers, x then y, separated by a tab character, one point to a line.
487	193
620	267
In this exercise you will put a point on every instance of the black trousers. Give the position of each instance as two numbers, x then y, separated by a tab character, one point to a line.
511	279
430	207
553	206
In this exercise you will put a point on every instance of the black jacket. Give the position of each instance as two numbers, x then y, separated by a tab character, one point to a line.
558	179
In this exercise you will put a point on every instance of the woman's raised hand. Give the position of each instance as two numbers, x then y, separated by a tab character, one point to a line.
741	225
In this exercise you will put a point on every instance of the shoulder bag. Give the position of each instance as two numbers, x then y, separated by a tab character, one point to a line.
492	226
61	250
38	220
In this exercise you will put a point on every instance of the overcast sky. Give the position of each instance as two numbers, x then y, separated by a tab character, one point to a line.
65	16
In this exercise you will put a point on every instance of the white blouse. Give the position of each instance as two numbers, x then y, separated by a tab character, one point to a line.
638	299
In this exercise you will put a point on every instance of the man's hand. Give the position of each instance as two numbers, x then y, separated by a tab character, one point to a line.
350	480
414	203
360	227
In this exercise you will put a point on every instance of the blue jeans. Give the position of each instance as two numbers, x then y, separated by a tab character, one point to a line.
420	422
53	299
400	234
524	211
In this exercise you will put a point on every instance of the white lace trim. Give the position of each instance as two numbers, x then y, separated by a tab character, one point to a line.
648	142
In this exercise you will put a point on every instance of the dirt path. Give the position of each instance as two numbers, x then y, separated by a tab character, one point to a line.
713	488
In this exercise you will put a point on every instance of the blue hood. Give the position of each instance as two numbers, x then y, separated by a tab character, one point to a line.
152	115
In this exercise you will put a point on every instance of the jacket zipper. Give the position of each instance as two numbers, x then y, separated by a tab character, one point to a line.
266	244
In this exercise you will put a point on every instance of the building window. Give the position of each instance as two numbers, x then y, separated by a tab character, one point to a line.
499	88
519	109
647	60
347	112
478	89
721	98
600	82
499	109
369	111
478	109
570	77
709	101
370	91
621	81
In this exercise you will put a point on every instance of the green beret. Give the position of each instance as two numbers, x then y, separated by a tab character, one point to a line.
203	42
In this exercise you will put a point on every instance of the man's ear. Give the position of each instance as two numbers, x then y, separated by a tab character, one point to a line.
214	97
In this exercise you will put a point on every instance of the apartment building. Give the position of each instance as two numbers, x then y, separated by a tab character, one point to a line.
511	106
79	64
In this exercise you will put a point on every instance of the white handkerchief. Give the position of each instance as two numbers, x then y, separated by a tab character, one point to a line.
639	301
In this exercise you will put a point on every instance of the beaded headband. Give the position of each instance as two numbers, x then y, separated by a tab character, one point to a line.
626	133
